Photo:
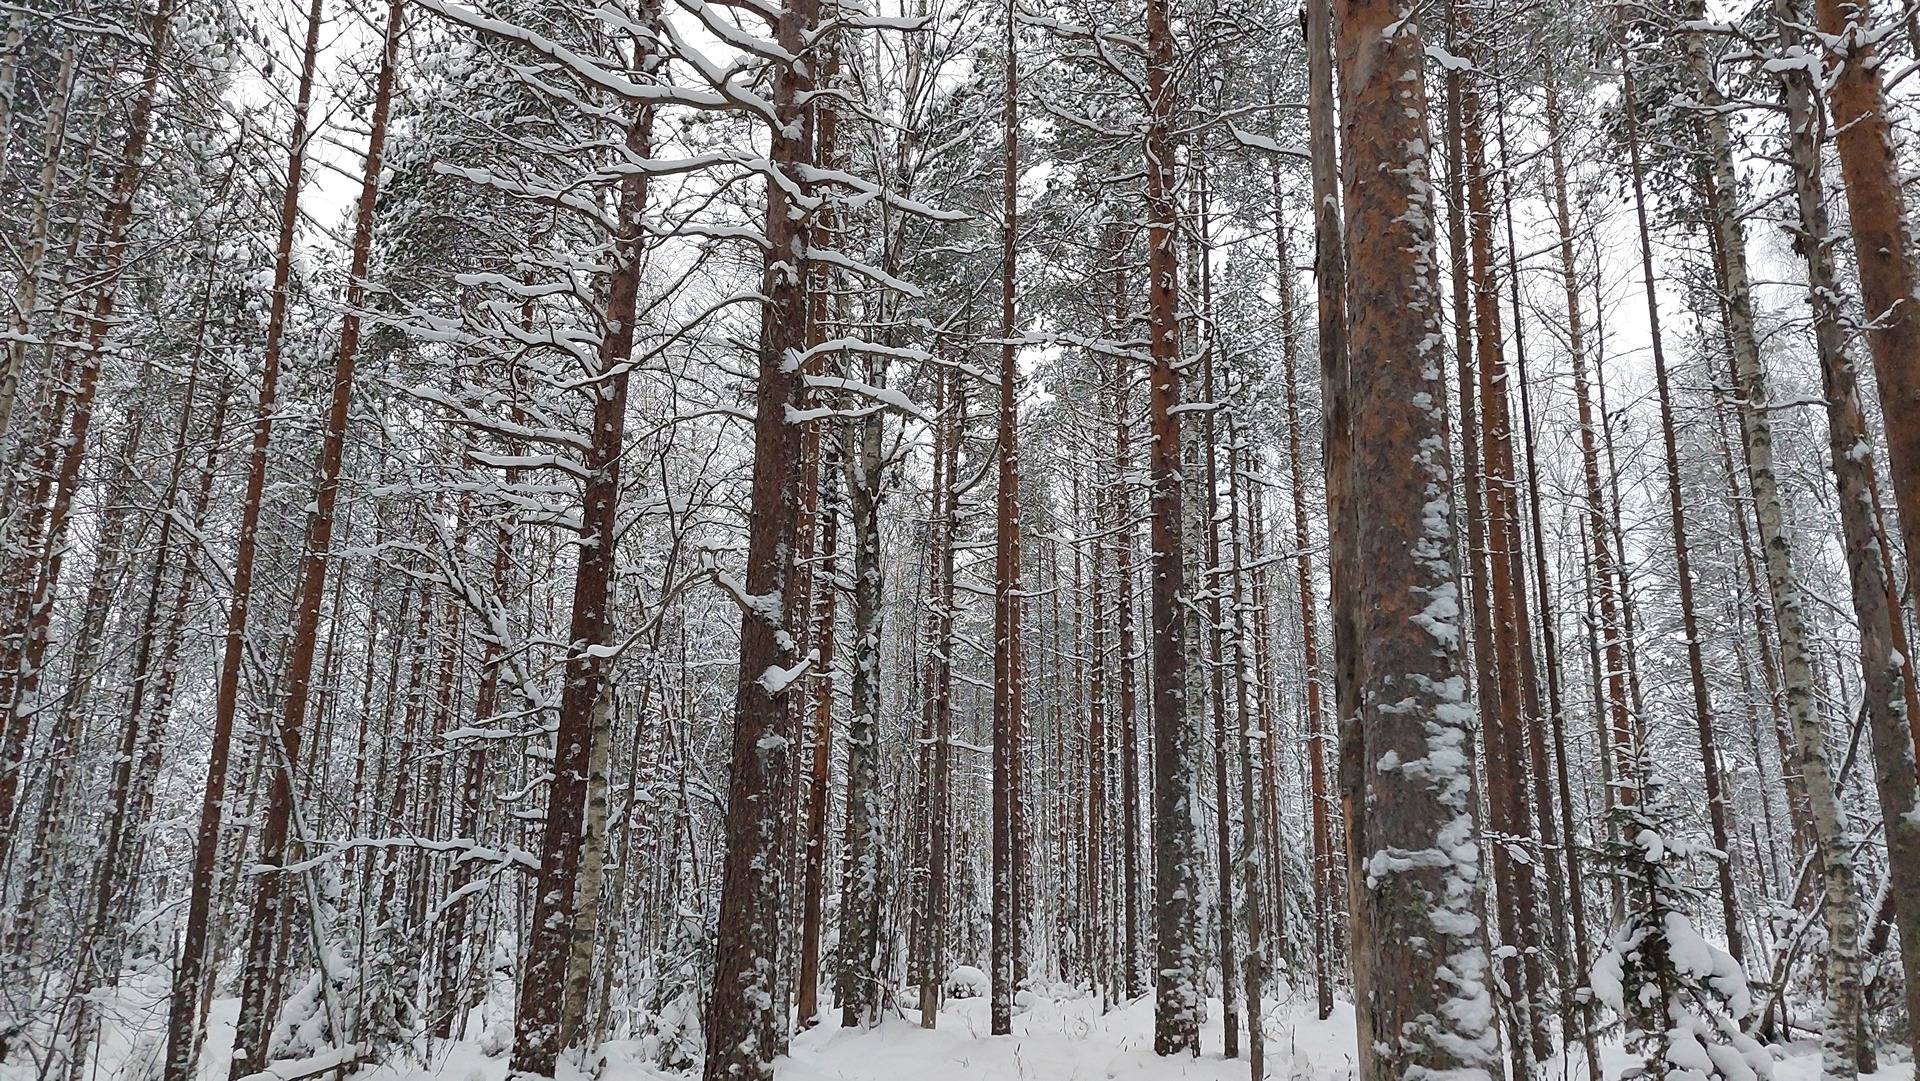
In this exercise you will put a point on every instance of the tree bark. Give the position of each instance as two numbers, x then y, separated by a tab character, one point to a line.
1252	776
740	1014
860	957
1179	1000
1129	706
1321	833
1216	579
819	531
539	1034
33	259
1007	721
820	773
1330	282
1516	697
1840	891
1850	446
1877	211
1407	753
934	935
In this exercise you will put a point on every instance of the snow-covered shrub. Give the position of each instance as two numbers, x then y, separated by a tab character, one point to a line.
966	981
670	1034
302	1028
1681	997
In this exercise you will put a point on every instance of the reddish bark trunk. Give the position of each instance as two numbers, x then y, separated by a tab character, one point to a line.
740	1019
1877	211
28	620
1179	1002
537	1032
1007	720
1412	829
256	1013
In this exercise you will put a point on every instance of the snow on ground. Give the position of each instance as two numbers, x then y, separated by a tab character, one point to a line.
1055	1038
1065	1040
1799	1062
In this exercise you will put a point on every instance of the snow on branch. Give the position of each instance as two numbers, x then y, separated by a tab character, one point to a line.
730	34
343	1058
865	270
588	69
528	461
777	679
814	174
723	80
1081	32
905	24
886	396
764	606
494	425
464	849
1449	62
569	200
1260	142
861	345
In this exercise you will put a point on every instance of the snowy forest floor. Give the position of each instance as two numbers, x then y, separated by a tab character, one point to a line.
1054	1039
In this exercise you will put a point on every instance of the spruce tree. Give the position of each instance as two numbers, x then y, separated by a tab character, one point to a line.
1681	997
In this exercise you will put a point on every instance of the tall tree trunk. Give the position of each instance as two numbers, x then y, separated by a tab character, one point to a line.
10	56
820	743
1215	663
1840	891
819	530
1546	839
1877	211
740	1014
591	878
1516	697
1336	407
256	1012
1626	734
1850	447
190	982
1252	776
1407	756
1265	693
950	431
539	1034
860	958
1123	524
1098	926
1007	721
1321	854
33	259
1614	680
1179	1000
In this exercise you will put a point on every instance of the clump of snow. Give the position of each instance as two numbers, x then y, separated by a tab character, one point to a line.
966	981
